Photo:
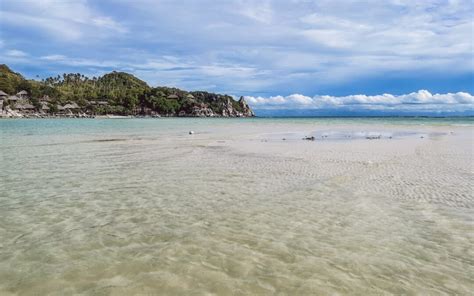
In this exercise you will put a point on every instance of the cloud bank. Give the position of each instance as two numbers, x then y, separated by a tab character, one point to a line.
422	101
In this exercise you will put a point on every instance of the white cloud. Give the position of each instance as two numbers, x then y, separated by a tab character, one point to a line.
64	20
15	53
420	100
81	62
299	99
54	57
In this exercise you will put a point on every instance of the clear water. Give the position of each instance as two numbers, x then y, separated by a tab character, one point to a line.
123	207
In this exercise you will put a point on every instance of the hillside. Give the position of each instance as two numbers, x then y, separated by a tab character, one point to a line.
121	93
11	82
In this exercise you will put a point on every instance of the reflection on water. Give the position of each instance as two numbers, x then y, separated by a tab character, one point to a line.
323	134
145	208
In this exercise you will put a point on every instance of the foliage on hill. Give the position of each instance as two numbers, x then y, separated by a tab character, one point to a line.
123	92
11	82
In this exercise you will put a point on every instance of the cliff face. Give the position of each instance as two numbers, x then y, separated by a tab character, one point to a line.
246	110
229	109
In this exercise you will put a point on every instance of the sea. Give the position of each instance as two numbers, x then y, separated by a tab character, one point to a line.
243	206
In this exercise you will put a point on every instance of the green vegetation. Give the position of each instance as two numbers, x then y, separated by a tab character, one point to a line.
116	93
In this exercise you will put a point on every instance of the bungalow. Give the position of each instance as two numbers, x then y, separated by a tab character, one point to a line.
3	95
173	97
72	107
45	107
68	109
14	99
22	94
26	108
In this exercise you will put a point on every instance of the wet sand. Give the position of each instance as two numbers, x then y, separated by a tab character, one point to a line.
239	208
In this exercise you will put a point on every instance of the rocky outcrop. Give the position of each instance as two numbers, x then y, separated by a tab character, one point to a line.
246	110
202	110
227	109
231	108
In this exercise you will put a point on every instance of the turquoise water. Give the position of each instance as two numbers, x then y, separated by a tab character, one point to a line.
144	126
139	206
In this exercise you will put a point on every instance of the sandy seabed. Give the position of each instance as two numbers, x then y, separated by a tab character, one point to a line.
238	209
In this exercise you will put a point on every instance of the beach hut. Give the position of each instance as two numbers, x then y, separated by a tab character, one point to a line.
72	107
68	109
173	97
22	94
13	99
45	107
3	95
25	108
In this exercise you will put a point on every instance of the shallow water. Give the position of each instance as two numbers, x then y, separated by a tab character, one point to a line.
125	207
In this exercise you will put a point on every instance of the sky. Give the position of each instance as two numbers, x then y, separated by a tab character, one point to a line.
383	57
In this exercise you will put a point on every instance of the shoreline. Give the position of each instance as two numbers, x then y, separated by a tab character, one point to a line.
86	116
46	116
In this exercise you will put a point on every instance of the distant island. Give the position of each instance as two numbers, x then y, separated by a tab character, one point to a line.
113	94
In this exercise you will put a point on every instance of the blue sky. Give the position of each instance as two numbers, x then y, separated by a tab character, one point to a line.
401	55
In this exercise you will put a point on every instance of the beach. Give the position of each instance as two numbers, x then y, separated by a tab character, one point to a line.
255	206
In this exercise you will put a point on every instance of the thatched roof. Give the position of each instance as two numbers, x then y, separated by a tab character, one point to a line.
44	106
190	96
22	93
173	97
3	94
13	98
71	106
24	106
